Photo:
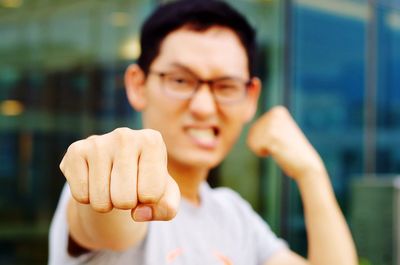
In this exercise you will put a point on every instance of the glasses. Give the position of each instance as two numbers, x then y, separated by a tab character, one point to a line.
184	86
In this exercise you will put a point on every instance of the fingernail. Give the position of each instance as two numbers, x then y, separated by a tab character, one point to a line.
143	213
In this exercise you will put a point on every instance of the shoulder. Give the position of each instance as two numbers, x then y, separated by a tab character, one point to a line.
252	229
227	195
229	201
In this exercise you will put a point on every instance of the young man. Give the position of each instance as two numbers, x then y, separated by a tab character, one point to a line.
195	86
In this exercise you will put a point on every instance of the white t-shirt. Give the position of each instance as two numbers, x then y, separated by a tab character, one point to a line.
222	230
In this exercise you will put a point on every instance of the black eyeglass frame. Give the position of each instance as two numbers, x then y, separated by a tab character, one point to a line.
210	82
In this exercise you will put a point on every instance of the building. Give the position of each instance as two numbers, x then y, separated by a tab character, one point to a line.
334	63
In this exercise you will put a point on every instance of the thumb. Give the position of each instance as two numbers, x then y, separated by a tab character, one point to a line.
164	210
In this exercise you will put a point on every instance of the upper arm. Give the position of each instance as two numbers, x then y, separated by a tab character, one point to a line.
286	257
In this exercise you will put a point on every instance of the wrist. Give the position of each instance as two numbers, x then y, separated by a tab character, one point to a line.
311	173
315	181
314	185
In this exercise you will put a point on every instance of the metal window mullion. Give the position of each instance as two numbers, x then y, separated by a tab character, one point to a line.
371	78
287	94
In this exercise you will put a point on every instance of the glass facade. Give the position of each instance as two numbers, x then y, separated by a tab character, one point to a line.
388	87
327	93
334	63
344	76
61	70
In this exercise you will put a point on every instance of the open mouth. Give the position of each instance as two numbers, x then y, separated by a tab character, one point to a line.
205	137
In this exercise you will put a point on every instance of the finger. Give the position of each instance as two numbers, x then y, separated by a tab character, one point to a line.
99	164
75	170
166	208
256	140
152	170
265	134
123	187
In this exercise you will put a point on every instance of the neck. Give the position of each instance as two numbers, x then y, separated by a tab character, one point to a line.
189	179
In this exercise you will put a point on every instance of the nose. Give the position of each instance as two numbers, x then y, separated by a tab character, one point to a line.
202	104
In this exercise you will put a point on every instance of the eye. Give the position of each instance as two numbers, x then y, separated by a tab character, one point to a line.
178	79
179	82
227	86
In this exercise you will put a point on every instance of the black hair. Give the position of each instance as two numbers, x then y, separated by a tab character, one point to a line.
198	15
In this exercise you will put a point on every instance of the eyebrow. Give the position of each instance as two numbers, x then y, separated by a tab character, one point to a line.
184	68
190	71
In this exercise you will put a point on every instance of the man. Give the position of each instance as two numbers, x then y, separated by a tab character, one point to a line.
195	86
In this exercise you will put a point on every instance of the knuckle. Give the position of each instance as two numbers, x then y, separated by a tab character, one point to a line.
273	134
101	207
79	189
151	191
123	132
125	137
123	202
80	197
92	137
152	137
62	167
124	205
77	148
273	147
94	144
149	197
73	148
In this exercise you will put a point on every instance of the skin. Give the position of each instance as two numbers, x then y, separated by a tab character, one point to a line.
141	174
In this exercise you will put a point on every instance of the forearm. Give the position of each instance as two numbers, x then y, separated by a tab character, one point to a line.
329	238
115	230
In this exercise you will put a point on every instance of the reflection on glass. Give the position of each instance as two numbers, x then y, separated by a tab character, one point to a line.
388	93
61	79
327	94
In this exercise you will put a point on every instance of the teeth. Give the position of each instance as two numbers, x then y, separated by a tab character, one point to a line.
202	134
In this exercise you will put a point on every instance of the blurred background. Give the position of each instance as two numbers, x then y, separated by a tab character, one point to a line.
334	63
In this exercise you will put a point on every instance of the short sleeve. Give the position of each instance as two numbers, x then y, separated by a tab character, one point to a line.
58	235
267	243
263	243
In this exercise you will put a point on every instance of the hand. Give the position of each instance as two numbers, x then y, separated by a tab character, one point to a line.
276	133
124	169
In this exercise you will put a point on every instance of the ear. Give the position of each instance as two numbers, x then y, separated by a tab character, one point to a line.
253	93
135	87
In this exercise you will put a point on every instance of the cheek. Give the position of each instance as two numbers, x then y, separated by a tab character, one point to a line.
235	116
235	119
161	114
234	132
233	126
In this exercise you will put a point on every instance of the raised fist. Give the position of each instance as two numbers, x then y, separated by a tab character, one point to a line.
276	133
124	169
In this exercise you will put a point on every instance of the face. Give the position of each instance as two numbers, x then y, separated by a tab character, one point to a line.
198	132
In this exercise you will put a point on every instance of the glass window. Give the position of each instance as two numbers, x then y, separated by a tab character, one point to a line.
388	90
326	96
242	170
61	66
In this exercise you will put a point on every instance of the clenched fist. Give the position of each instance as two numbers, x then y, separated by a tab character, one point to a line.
124	169
276	133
